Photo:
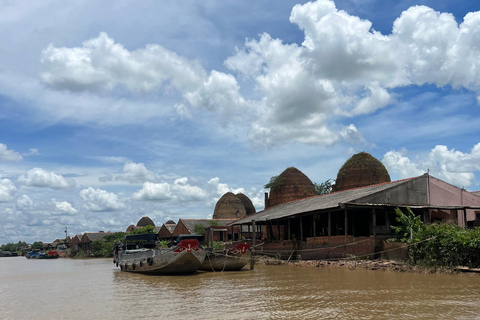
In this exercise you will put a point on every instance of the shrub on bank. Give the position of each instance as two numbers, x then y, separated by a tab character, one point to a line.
103	248
439	244
450	246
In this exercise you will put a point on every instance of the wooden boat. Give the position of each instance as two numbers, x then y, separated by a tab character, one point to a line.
32	254
227	260
42	255
137	255
48	255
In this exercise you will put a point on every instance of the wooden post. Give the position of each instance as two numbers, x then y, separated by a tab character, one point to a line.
249	234
254	242
301	228
211	237
464	218
374	226
278	230
314	228
329	225
289	230
346	224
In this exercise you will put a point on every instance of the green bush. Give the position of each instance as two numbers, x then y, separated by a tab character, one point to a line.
449	246
438	244
103	248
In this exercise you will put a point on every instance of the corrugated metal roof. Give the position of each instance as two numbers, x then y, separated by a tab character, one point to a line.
322	202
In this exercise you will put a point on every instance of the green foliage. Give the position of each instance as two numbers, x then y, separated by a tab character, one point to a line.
324	187
14	247
163	244
104	247
80	254
275	181
37	245
199	229
218	245
410	224
438	244
449	245
215	223
142	230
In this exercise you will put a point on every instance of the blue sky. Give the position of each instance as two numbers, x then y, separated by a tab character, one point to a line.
112	111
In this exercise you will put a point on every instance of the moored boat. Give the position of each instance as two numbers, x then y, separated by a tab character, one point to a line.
136	254
227	260
42	255
48	255
32	254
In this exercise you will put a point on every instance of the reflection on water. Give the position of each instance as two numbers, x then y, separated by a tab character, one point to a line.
95	289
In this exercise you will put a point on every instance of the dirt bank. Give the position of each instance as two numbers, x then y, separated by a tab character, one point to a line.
383	265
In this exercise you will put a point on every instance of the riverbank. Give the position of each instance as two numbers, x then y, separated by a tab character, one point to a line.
378	264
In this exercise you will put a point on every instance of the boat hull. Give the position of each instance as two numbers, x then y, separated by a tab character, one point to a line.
184	258
231	260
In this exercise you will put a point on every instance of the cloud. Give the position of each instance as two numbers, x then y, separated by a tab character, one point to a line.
7	190
109	159
24	202
31	152
64	207
102	64
221	188
136	172
100	200
179	192
9	155
452	166
306	93
41	178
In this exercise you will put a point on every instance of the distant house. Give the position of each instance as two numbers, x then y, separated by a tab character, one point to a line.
166	230
220	229
75	242
87	239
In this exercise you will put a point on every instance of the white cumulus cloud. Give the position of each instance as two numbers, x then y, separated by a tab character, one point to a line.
64	207
41	178
9	155
178	191
452	166
7	190
24	202
136	172
306	93
103	64
100	200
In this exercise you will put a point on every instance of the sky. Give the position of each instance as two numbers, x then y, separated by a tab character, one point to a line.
114	110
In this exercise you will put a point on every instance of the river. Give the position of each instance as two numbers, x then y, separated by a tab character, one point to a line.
96	289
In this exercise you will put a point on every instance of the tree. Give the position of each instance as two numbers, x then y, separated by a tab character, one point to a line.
142	230
409	224
275	181
199	229
324	187
37	245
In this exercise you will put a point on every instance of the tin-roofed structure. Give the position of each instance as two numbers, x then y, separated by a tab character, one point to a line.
362	214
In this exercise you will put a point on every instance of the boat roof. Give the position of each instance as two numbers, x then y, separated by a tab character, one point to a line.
140	237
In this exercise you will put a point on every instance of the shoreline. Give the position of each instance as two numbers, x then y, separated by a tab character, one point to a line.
373	265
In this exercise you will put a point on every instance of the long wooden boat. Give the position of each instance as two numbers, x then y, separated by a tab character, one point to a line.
42	255
227	260
182	258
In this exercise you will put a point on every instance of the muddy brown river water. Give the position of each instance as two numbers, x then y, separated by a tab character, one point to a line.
95	289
